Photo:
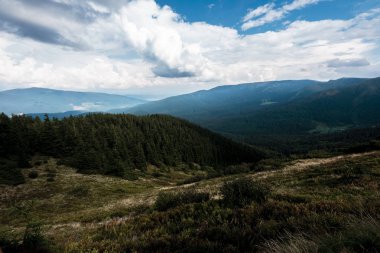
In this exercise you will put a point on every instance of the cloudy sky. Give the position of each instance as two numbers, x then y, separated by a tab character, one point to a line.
174	46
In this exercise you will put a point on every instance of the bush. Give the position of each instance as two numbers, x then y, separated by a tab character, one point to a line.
193	179
360	236
38	163
167	200
157	174
237	169
33	174
9	173
34	240
50	179
51	175
80	191
242	192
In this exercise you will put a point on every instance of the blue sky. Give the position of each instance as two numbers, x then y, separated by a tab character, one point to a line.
230	12
166	47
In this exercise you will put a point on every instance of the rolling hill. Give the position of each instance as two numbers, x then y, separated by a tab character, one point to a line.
228	101
275	110
39	100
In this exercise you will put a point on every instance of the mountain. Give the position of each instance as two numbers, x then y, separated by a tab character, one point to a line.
275	114
224	100
333	109
39	100
213	108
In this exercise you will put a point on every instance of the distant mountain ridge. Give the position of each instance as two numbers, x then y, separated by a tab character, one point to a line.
41	100
228	101
280	108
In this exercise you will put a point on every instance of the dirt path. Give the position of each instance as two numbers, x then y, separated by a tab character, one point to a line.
304	164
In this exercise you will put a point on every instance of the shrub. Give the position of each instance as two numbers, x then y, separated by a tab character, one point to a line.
50	179
51	174
9	173
80	191
236	169
360	236
242	192
23	162
33	239
193	179
33	174
38	163
167	200
157	174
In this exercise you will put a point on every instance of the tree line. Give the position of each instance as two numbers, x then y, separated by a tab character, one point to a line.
117	144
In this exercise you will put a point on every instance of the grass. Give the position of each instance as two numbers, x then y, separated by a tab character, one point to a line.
313	205
74	197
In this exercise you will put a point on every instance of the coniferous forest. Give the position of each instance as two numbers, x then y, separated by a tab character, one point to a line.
117	144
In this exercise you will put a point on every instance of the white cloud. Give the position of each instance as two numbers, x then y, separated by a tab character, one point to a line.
261	10
140	44
267	13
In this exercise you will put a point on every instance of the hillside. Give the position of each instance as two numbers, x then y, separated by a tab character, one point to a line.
225	102
39	100
317	205
120	145
341	107
278	113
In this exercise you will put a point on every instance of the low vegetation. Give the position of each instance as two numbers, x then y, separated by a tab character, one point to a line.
317	205
168	200
242	192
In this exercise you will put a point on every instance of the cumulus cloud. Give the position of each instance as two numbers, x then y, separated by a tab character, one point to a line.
155	32
268	13
117	45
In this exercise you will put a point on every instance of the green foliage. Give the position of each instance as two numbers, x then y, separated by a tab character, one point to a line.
10	174
33	237
359	236
33	174
51	174
32	241
167	200
241	192
362	236
79	191
119	144
193	179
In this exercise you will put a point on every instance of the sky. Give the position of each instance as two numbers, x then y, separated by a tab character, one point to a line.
167	47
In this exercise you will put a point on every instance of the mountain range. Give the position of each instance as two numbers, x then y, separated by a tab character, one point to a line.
40	100
253	113
281	107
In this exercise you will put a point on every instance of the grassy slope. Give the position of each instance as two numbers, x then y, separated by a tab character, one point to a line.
90	211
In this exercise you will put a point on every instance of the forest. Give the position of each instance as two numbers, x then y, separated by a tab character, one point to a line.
118	145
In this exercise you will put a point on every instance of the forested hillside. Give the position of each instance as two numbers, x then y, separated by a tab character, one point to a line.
234	104
287	116
117	144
